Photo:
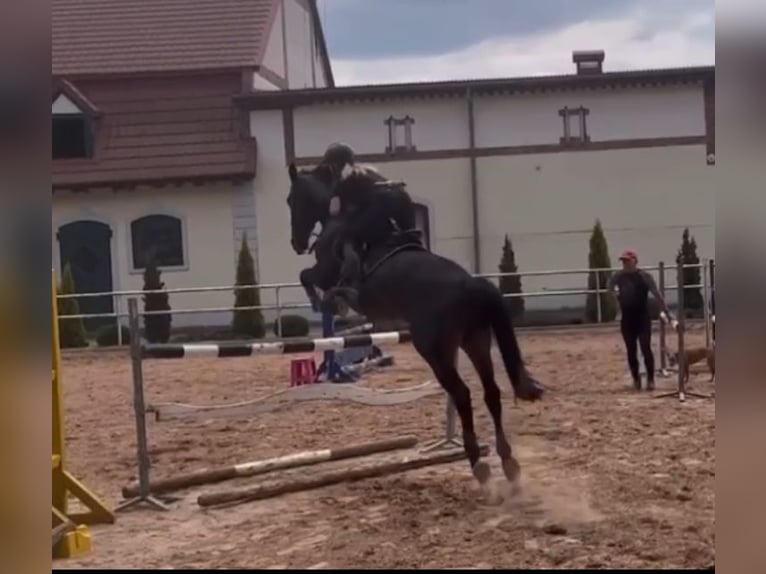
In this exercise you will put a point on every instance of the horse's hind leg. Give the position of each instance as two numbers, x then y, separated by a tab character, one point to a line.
477	344
441	354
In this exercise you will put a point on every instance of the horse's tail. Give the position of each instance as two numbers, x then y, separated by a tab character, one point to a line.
496	315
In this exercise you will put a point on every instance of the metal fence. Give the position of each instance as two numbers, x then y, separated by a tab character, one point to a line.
706	268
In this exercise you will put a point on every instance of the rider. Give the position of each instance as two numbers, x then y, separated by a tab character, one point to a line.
380	211
634	286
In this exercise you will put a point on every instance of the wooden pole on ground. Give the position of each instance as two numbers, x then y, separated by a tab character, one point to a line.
305	458
279	487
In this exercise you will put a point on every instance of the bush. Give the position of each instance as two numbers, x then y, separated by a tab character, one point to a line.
71	331
510	284
687	255
292	326
106	336
598	258
247	321
156	327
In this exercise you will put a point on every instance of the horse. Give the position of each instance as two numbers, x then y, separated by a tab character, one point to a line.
445	307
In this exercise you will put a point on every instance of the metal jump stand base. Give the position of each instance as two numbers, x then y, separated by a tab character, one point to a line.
682	395
148	499
329	367
450	439
333	371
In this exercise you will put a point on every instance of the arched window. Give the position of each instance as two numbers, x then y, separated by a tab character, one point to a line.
158	236
422	223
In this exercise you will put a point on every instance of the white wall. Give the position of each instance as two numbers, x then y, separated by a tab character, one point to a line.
439	124
261	83
621	114
300	51
277	263
206	214
274	56
291	50
549	203
442	124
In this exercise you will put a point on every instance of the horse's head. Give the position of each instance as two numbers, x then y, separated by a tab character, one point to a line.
309	203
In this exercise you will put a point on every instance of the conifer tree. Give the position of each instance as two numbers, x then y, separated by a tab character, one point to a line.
247	321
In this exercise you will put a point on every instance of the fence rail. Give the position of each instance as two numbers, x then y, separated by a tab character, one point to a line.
279	306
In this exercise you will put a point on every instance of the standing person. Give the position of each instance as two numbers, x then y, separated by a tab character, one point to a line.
633	286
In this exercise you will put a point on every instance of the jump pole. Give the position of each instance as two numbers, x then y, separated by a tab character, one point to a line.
300	459
681	391
286	486
173	351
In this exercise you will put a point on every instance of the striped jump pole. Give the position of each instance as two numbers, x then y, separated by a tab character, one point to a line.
164	351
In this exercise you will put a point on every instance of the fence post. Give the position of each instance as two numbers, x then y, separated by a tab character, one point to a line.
705	297
712	295
681	332
663	333
279	311
599	316
118	319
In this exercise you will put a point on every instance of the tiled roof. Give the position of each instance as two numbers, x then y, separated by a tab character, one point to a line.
162	130
133	36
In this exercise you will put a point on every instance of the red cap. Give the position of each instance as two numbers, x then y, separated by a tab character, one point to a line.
629	254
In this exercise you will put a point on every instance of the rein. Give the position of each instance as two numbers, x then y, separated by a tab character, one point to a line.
396	250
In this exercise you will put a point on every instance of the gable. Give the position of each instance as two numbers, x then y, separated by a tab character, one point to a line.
63	106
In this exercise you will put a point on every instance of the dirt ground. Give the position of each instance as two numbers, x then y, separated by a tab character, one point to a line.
611	477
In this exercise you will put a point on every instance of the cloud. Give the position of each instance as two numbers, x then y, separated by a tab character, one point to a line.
640	40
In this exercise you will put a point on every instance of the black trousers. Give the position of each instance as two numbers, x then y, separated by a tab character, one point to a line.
637	330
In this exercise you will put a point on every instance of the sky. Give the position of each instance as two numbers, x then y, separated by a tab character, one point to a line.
389	41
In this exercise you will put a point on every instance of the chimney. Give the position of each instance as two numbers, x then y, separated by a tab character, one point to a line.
588	61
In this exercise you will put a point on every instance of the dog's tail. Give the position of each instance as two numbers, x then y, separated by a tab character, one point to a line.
493	310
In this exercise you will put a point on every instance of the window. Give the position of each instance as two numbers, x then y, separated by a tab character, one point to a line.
72	137
399	134
422	223
157	236
72	124
575	125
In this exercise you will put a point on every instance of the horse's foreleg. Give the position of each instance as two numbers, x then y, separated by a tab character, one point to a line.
307	281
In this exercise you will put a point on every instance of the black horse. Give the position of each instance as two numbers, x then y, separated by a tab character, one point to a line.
445	307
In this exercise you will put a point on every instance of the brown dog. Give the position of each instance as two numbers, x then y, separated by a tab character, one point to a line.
695	355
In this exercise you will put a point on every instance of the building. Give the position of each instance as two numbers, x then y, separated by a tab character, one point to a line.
537	158
150	154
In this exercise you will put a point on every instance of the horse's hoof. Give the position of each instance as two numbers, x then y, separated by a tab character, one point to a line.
482	472
511	469
530	390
